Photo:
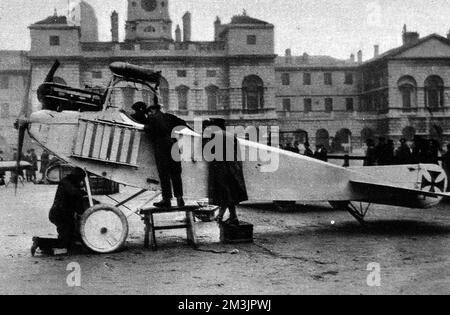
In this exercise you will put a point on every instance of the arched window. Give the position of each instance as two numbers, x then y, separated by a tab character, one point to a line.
212	94
253	93
434	92
165	93
407	86
183	95
342	141
323	138
59	80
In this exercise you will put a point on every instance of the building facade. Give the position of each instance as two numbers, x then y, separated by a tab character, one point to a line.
14	76
237	76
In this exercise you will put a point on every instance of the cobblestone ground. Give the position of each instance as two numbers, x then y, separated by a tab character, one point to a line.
295	252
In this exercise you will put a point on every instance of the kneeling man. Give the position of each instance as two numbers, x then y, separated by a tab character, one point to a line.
68	205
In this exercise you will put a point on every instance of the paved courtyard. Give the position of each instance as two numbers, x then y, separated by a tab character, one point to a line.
311	249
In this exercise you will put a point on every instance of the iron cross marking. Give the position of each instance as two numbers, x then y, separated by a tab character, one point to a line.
433	184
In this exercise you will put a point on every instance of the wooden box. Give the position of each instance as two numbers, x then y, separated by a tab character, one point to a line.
233	234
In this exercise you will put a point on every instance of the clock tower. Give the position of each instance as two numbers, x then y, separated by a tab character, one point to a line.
148	20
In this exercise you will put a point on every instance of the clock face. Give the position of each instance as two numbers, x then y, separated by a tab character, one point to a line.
149	5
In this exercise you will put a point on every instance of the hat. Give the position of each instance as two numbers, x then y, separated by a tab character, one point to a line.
139	106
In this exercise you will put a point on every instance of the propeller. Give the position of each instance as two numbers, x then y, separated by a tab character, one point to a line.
21	125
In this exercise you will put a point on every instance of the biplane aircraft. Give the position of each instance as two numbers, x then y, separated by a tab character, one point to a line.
86	130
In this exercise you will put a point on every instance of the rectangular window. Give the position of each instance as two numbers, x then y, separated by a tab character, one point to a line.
328	78
349	78
182	73
287	104
4	111
211	73
349	104
54	41
328	105
307	102
286	79
251	40
4	82
306	78
183	98
97	74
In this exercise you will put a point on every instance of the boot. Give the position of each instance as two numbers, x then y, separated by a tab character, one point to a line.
163	204
34	247
180	203
232	221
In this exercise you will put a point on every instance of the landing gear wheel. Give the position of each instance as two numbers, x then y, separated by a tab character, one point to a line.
104	229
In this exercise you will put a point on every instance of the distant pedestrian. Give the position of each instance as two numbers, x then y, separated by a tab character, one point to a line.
403	154
371	154
321	153
28	171
431	155
382	155
289	147
2	173
390	153
308	152
446	161
45	160
21	174
296	149
346	161
34	165
419	150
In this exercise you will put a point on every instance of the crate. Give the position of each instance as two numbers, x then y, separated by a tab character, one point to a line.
233	234
206	213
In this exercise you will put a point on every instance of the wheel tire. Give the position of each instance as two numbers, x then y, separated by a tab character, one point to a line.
104	229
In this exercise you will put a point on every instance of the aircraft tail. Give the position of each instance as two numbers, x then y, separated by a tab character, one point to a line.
415	186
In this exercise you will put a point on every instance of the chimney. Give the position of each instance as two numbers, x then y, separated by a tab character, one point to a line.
217	28
360	56
178	34
288	55
187	30
115	27
410	38
352	57
305	57
376	51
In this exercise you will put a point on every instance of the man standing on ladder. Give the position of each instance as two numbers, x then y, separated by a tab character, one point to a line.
160	127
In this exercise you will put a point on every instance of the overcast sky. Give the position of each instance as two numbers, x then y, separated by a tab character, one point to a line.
329	27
